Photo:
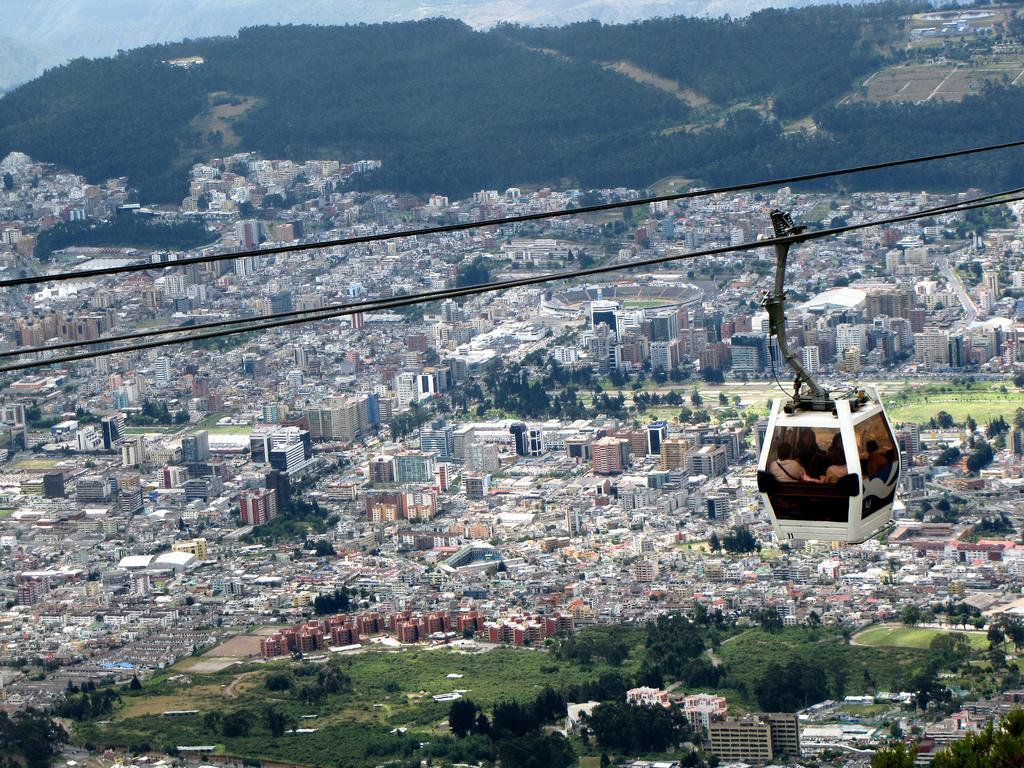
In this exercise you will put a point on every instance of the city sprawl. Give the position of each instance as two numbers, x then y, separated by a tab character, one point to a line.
511	469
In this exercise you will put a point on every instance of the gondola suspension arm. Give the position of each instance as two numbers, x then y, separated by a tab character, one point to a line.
807	393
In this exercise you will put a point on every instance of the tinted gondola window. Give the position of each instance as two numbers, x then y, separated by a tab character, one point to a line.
875	445
797	452
806	465
879	460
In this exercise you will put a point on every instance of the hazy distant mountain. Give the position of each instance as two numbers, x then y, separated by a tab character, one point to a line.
19	63
44	33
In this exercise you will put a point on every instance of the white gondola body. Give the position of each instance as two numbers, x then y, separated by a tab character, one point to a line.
850	510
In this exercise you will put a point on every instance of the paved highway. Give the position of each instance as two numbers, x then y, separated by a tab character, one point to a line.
970	310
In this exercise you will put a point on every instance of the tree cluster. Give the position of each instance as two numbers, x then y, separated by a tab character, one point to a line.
948	457
294	521
87	702
332	602
674	647
980	457
29	738
791	687
514	730
153	412
738	540
583	649
124	231
637	729
474	273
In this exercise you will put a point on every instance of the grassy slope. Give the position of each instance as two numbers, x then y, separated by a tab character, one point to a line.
348	724
981	405
749	655
911	637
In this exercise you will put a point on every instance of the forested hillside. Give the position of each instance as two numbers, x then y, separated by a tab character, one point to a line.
799	58
445	107
451	110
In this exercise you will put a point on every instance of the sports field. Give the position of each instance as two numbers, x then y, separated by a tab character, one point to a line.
34	465
230	429
893	636
644	303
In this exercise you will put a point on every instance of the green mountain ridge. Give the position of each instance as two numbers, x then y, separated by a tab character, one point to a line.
452	110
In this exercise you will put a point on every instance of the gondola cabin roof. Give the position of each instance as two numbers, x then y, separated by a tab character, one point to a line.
808	418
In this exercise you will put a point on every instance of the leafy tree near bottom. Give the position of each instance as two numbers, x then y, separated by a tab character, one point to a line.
994	745
236	724
635	730
536	750
277	722
462	717
30	738
793	687
897	756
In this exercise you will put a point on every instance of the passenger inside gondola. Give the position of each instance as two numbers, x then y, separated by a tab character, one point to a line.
875	459
807	463
878	448
807	448
787	469
837	462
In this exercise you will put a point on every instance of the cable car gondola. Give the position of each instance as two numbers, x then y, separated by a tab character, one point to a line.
829	466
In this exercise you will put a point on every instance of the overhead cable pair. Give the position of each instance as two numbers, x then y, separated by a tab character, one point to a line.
446	228
284	319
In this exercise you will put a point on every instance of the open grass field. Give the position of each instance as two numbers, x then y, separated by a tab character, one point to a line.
642	303
238	647
982	403
221	115
906	403
230	429
34	465
211	420
866	710
670	185
892	636
389	690
194	697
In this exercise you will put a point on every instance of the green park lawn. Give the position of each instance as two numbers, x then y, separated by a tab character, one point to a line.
644	303
34	464
211	420
983	402
911	637
230	429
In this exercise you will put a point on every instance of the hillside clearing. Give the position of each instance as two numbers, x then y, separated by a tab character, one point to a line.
892	636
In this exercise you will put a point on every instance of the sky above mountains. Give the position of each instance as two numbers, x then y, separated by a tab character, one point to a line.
36	34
